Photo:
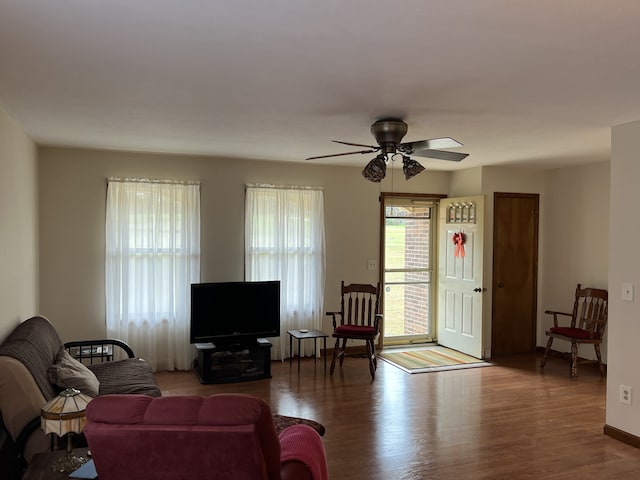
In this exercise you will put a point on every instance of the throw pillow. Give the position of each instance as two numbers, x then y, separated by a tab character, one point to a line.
67	372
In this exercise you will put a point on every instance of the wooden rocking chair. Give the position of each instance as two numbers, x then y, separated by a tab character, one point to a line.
358	319
588	320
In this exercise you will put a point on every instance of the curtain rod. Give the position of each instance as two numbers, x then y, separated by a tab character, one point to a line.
152	180
283	187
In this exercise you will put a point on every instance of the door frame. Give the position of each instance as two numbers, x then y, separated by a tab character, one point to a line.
435	197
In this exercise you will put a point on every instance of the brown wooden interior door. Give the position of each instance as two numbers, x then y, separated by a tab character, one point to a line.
515	271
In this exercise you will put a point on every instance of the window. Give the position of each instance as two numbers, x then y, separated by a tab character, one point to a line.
284	240
152	258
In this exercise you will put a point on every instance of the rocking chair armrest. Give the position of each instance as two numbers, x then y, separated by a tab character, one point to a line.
376	321
333	317
555	315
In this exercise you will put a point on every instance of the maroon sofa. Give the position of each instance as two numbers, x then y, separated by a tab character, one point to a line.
174	438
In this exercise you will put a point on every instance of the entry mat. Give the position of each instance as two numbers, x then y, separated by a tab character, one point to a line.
431	359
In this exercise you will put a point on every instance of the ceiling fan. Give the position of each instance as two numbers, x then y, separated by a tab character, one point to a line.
389	132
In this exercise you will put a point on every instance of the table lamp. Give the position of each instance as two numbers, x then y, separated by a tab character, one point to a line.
65	415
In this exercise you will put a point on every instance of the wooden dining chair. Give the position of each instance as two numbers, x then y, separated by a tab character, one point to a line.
358	319
588	321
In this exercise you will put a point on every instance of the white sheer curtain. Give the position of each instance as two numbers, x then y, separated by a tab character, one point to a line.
152	258
284	240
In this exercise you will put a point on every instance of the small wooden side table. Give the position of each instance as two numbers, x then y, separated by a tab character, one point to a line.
40	466
302	335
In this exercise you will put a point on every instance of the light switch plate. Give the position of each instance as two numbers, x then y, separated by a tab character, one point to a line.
627	292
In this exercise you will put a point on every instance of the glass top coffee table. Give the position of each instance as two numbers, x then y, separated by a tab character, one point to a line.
303	335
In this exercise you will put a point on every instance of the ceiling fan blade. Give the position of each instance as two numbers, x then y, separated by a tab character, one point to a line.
360	145
339	154
441	155
444	142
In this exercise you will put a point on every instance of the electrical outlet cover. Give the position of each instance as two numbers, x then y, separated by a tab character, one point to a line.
625	394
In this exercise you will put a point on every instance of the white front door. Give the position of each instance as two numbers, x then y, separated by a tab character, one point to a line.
460	274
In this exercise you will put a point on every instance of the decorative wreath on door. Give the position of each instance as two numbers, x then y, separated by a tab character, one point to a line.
459	239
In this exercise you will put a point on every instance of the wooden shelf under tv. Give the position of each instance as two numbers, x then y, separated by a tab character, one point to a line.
230	362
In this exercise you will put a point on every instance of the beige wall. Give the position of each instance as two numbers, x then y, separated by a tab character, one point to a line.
624	266
18	225
466	182
575	241
72	212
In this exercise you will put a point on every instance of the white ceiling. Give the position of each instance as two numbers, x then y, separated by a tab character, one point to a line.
533	83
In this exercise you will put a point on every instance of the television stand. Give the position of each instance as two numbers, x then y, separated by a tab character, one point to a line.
233	362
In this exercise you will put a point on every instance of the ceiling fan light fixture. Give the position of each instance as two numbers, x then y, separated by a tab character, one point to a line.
376	169
410	167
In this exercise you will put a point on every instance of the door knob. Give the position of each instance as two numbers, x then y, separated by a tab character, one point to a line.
478	289
501	285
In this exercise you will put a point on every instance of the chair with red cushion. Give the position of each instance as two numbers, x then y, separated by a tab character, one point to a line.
358	319
588	321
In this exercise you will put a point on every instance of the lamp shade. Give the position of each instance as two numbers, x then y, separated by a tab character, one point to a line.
410	167
376	169
65	413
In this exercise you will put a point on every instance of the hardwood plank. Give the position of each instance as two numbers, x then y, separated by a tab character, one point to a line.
507	421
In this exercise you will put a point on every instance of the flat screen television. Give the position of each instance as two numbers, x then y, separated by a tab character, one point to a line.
234	312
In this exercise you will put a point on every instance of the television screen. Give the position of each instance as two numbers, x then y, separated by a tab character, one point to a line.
234	311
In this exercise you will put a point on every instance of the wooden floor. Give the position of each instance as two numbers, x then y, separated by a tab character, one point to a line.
508	421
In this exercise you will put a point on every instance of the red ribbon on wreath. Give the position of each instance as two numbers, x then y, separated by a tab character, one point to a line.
459	240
